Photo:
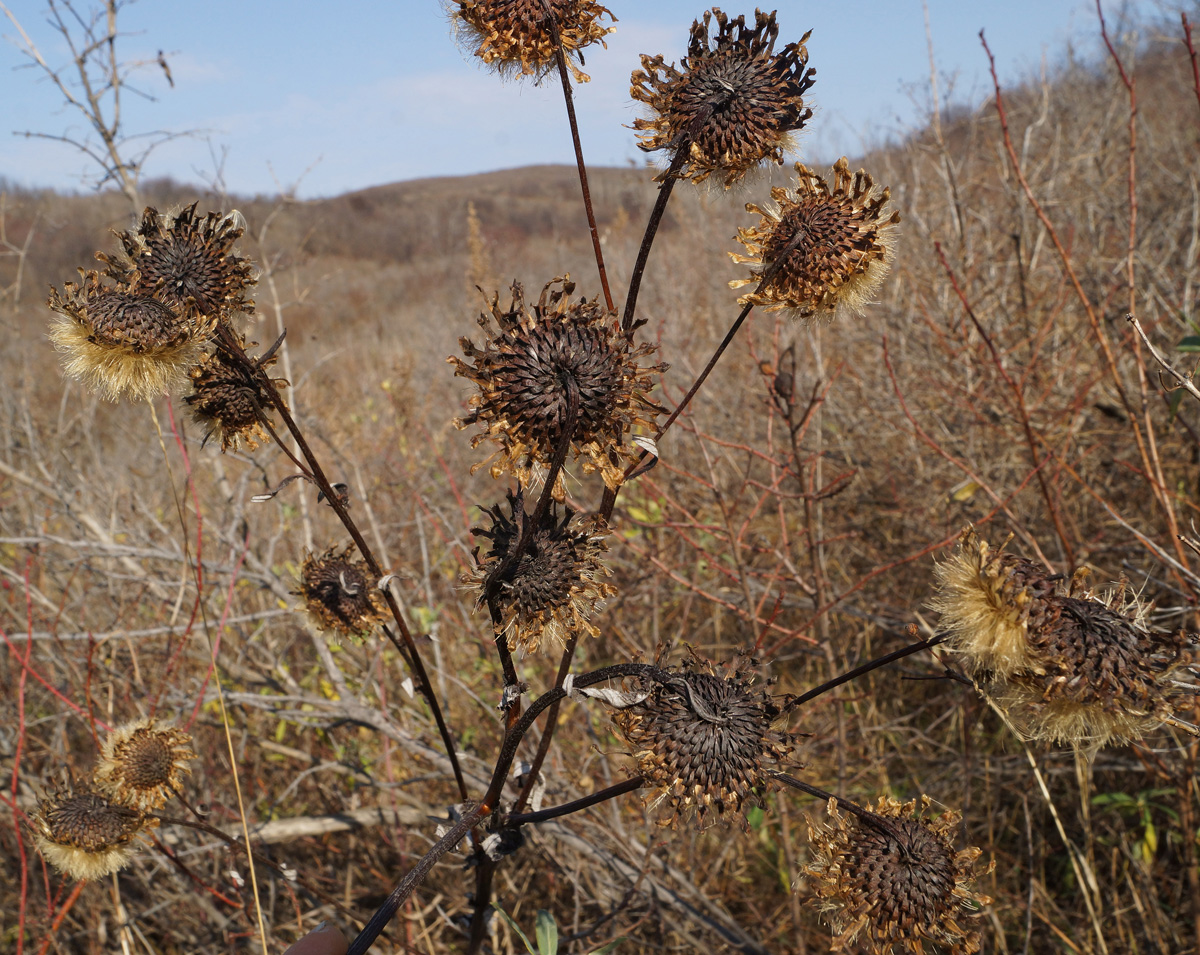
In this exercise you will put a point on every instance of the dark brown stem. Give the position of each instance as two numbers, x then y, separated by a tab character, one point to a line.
656	214
564	667
611	792
872	819
865	668
568	96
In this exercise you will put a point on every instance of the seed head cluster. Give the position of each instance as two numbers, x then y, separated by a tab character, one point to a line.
545	363
733	105
1064	666
554	587
516	36
340	594
832	244
891	880
704	742
229	399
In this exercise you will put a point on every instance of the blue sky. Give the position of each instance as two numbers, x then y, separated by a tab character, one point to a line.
344	95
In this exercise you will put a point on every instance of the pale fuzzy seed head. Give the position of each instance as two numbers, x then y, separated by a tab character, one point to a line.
142	764
986	599
847	236
84	834
119	343
891	890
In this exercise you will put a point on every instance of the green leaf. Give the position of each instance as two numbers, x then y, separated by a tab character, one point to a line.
1189	343
1173	403
546	931
611	946
515	927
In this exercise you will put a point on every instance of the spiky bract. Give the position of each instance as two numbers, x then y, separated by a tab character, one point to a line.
142	764
894	879
545	360
704	742
515	36
834	243
554	587
118	341
734	104
340	594
230	400
84	834
187	262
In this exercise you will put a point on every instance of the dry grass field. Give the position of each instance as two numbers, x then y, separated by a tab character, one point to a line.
795	516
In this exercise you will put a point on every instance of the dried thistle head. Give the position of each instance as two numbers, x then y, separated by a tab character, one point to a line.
735	103
834	241
340	594
229	400
704	742
142	764
118	341
554	588
515	36
895	879
989	602
186	261
542	361
84	834
1099	676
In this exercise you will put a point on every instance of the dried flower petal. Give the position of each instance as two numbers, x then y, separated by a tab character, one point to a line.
735	103
842	237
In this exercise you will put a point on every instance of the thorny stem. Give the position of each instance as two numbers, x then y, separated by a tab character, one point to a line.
569	98
413	656
508	752
593	799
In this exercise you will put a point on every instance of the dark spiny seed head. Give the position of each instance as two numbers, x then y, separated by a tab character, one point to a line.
340	594
834	243
142	764
230	400
515	36
84	834
735	102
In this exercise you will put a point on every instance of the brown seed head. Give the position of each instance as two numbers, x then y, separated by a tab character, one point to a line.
840	240
142	764
515	36
118	341
187	262
84	834
230	400
553	588
538	363
735	103
703	742
894	879
340	594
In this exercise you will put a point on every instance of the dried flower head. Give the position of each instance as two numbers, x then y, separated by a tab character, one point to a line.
340	594
186	261
84	834
516	36
554	587
834	244
1100	676
142	764
230	400
734	105
703	742
989	602
894	878
118	342
543	362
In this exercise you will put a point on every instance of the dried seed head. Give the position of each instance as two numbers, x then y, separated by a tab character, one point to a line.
703	742
142	764
541	362
84	834
989	602
117	341
840	240
340	594
895	879
553	588
1098	677
515	36
187	262
735	103
229	400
